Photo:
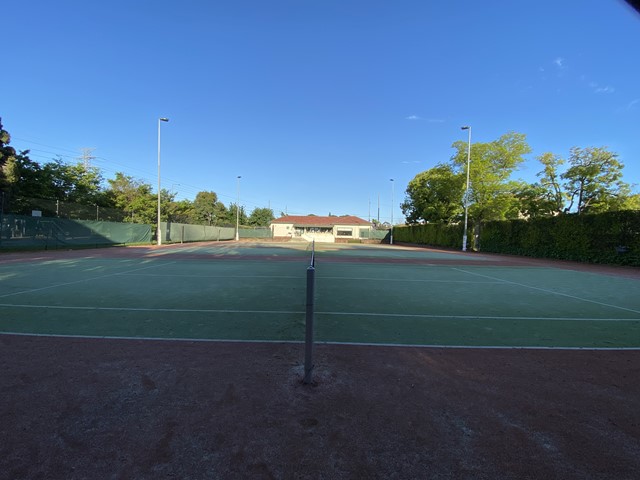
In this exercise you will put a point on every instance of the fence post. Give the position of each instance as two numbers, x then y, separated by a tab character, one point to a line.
308	340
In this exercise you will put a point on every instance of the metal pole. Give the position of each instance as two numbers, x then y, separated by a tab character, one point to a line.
159	232
308	337
1	218
466	192
391	239
238	211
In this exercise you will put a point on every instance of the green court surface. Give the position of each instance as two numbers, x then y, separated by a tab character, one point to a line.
364	294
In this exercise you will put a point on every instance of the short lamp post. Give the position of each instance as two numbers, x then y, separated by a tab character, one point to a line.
467	195
159	232
238	211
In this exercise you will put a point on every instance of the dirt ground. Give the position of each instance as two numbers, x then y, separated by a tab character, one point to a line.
128	409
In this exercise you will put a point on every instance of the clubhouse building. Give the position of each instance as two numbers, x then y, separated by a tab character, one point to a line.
321	229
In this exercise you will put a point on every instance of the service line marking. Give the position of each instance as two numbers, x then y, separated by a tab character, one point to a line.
31	290
546	290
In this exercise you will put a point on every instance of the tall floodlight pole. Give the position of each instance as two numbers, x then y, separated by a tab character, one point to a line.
238	211
391	236
159	232
467	194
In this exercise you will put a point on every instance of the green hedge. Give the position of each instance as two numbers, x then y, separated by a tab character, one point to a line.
430	234
612	237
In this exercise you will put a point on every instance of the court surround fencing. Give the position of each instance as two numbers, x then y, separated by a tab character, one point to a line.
22	231
182	232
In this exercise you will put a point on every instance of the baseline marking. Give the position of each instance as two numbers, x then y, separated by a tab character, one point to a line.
287	312
320	342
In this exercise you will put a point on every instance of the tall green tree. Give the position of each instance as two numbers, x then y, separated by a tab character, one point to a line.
181	211
593	182
553	196
435	195
7	154
491	166
260	217
74	183
532	201
25	180
134	198
208	210
232	211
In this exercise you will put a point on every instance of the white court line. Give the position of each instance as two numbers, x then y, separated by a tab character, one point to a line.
318	277
549	291
80	281
209	276
406	280
300	342
301	312
135	309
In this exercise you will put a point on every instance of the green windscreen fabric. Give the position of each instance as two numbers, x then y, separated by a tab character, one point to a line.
21	231
182	232
374	234
254	232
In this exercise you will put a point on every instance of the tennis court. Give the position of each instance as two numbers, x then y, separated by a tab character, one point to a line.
365	294
185	361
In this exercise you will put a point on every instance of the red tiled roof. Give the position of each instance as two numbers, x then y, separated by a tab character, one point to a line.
318	221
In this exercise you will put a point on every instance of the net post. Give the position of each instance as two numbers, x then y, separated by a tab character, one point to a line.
308	341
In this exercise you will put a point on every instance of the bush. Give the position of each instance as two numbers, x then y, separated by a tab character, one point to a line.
436	235
611	237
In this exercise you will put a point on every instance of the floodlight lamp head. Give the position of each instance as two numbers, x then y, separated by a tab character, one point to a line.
164	119
466	127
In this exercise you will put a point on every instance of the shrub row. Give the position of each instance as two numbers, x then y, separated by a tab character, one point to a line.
609	238
436	235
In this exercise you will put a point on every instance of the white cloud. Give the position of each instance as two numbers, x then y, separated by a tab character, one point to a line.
559	61
607	89
633	103
430	120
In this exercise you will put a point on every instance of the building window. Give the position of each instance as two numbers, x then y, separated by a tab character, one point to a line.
344	232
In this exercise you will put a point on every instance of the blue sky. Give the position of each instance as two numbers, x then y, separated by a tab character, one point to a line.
317	104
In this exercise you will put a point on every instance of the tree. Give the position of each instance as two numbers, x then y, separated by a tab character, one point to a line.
260	217
208	210
434	195
552	196
134	197
83	183
7	154
231	215
631	202
25	180
492	164
181	211
593	182
532	201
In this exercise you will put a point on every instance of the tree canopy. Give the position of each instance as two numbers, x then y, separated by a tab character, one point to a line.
592	183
